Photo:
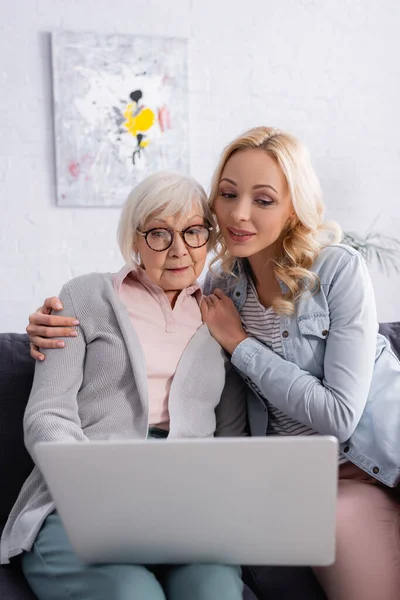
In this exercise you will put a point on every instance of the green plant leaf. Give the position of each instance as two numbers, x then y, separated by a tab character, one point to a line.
377	248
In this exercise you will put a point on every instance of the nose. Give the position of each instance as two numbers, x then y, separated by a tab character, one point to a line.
241	210
178	247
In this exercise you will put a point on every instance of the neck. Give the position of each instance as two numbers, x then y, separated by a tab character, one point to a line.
261	263
172	296
261	270
267	285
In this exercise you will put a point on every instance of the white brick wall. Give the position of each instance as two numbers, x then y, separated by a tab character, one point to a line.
327	71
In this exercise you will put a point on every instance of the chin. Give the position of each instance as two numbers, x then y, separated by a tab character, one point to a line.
242	251
249	249
180	281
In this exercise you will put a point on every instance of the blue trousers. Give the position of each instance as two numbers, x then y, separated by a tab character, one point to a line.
54	571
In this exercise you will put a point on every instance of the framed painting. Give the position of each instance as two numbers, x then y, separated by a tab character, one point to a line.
120	113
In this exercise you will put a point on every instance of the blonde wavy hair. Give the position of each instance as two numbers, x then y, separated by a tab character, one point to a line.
306	234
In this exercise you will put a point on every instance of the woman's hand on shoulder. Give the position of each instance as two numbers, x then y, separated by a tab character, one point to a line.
44	327
223	320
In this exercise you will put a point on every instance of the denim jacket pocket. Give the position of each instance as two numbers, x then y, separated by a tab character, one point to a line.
315	329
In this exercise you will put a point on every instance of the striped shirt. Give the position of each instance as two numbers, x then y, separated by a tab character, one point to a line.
264	325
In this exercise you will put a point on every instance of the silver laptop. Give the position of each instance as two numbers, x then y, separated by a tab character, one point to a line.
268	501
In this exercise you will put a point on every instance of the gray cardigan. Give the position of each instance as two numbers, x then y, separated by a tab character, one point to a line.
96	388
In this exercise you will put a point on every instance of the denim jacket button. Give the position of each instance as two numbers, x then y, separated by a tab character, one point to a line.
237	294
325	332
375	470
346	448
285	334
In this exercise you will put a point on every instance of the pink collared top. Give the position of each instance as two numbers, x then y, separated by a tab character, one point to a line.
163	332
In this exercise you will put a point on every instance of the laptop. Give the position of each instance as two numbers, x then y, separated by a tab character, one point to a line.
265	501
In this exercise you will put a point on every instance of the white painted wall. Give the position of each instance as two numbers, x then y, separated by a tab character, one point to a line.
327	71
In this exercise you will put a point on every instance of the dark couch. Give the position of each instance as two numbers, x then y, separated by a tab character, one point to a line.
16	373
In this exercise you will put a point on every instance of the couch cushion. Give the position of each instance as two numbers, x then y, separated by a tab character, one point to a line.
392	332
13	585
283	583
16	374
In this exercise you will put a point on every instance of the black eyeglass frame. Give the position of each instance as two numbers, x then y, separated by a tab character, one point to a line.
172	233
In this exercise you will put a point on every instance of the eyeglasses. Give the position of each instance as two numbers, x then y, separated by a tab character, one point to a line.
161	238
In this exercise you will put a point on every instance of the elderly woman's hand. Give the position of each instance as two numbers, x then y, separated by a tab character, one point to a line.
223	320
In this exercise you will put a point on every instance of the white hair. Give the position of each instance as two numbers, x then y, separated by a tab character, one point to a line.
163	194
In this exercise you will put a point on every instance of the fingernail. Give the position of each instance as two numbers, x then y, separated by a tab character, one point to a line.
60	344
73	333
75	322
58	305
41	357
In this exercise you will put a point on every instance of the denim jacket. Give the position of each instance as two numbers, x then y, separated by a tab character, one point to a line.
338	375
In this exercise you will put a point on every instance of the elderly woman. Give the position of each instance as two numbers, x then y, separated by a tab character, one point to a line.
131	373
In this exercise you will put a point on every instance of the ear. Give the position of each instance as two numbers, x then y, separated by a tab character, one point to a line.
291	222
135	246
135	252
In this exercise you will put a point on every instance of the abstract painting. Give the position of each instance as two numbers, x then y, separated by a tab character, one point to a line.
120	113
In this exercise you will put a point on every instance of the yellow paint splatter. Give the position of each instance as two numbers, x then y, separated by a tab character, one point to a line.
138	123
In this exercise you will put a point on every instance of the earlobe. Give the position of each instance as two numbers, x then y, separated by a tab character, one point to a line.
136	255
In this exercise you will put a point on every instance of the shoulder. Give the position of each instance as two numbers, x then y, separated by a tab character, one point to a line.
333	259
217	278
85	287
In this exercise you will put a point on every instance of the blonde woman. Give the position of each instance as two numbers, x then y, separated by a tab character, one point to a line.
295	310
131	372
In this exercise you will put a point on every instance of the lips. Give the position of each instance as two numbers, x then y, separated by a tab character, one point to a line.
239	236
178	269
